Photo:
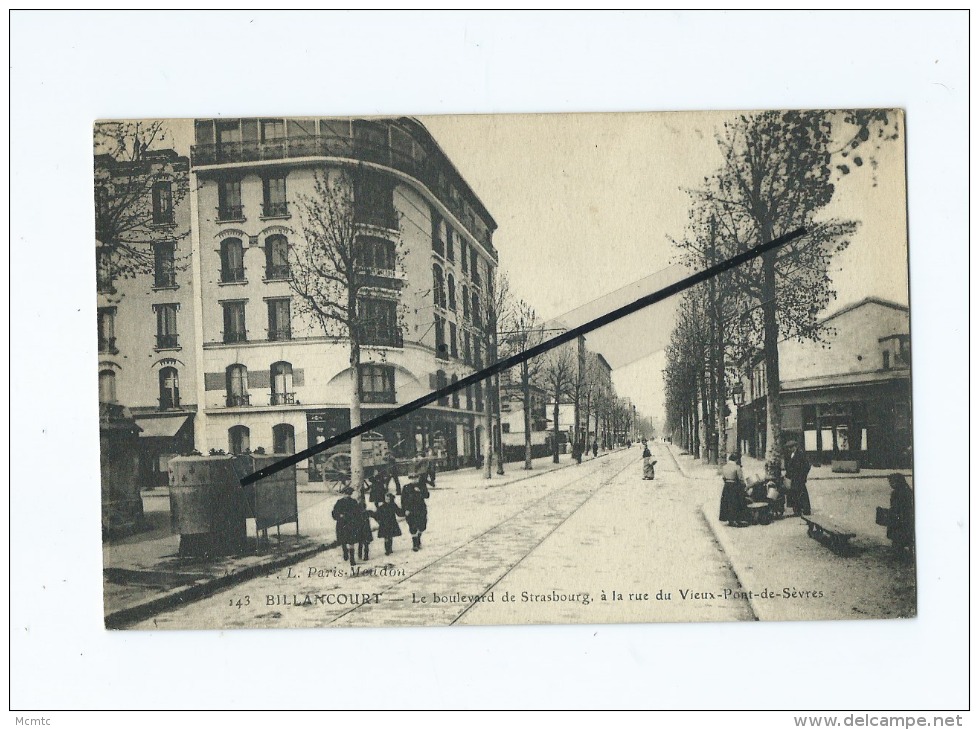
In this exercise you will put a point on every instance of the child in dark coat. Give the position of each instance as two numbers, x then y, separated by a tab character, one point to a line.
348	513
386	517
413	497
366	534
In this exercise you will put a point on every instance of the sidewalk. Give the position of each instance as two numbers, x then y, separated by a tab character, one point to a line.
143	575
788	576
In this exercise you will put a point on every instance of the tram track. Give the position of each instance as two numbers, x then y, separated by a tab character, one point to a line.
499	548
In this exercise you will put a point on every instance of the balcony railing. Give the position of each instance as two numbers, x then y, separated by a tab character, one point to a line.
237	401
165	278
108	344
385	337
429	170
275	210
231	213
169	403
282	399
235	337
230	276
280	334
386	396
278	271
166	342
382	217
163	218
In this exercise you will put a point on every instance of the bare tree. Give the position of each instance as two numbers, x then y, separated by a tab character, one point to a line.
525	331
139	184
346	281
558	376
499	316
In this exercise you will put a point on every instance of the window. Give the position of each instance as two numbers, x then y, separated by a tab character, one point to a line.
438	234
374	200
239	440
166	326
450	252
237	386
474	265
277	257
229	201
465	302
441	382
476	314
274	197
105	275
379	322
463	254
282	392
107	386
283	439
453	340
107	330
506	428
455	395
164	268
377	383
466	349
228	133
280	319
234	322
376	253
169	389
441	351
478	354
887	360
452	293
479	396
232	261
273	129
162	202
438	286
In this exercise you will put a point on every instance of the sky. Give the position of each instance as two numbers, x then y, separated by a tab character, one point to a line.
587	204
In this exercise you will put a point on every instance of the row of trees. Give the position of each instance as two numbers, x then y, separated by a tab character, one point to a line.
780	172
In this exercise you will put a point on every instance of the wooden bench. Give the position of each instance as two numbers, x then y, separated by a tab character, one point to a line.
830	534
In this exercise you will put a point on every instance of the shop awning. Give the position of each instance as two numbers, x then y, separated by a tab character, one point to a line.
161	426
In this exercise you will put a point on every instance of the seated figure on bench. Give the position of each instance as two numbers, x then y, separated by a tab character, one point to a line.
734	499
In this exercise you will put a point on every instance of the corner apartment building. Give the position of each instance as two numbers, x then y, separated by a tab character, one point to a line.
848	397
147	353
272	379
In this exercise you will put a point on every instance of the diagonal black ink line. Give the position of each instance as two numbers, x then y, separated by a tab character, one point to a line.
514	360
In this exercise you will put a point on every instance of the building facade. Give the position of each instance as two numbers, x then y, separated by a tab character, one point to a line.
274	379
147	354
847	398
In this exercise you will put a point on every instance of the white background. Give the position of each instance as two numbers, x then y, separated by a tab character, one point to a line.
69	69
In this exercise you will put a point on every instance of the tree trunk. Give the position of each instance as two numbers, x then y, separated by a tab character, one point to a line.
773	434
498	428
721	390
488	431
528	462
557	406
356	454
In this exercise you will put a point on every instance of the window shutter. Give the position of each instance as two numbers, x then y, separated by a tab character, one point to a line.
259	379
214	381
298	377
432	381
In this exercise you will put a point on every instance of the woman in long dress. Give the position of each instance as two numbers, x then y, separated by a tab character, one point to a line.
648	464
733	498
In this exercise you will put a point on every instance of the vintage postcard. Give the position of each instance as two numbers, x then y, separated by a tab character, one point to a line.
737	448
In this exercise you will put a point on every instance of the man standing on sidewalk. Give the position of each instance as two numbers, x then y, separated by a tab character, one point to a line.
797	472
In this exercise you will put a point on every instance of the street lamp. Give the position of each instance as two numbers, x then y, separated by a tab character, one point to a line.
737	393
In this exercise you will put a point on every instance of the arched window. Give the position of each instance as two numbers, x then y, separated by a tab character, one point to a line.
107	386
455	396
452	292
282	392
169	389
237	381
438	285
232	260
276	257
239	440
283	439
465	302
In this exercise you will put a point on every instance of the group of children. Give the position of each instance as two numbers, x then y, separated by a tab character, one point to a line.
354	519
